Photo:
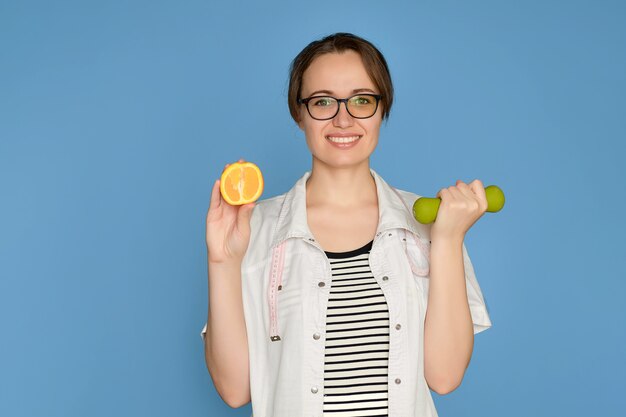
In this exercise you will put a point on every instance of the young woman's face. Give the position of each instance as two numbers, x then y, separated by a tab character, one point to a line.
339	75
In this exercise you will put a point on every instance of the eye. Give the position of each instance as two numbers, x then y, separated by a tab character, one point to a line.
323	101
361	100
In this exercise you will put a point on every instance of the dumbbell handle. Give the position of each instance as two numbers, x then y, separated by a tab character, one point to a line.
425	208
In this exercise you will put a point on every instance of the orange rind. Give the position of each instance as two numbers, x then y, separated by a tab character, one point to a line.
241	183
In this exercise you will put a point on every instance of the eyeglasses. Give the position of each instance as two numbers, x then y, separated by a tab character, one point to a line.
360	106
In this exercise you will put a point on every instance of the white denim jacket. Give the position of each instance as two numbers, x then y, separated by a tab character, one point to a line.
286	279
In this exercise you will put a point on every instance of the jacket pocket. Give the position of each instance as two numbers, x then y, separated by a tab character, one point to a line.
417	250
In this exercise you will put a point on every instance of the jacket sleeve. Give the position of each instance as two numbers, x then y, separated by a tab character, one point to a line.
476	301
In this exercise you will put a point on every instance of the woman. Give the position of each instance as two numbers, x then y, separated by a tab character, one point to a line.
318	297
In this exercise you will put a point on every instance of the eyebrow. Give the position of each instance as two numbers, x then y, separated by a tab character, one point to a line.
357	90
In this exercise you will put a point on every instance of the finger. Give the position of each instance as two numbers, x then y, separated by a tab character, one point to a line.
478	189
465	194
444	194
455	193
243	217
465	189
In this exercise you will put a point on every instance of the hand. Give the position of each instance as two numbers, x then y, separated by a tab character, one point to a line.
461	206
227	228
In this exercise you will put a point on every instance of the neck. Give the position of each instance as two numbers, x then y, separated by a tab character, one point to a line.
351	186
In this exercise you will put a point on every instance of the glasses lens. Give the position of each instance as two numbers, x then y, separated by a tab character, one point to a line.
322	107
363	105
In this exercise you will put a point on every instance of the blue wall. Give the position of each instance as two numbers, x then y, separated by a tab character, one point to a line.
116	118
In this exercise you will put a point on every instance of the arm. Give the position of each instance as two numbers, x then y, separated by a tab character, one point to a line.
448	329
226	342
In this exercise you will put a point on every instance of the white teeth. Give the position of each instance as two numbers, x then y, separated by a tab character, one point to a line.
343	140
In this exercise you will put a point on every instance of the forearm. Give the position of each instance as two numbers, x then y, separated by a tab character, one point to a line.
226	347
448	329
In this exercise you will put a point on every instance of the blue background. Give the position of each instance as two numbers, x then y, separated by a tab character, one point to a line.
117	117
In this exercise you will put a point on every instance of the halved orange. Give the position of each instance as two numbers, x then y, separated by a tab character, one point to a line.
241	183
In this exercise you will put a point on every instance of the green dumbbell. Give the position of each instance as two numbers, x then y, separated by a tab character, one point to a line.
425	208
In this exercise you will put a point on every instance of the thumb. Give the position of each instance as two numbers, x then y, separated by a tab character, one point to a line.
243	217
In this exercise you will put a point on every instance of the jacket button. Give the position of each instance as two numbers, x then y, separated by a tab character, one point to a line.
316	336
385	278
398	327
314	390
397	381
389	234
321	284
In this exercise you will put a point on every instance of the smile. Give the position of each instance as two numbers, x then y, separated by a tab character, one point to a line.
347	139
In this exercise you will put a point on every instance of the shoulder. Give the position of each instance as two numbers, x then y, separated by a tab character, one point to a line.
407	200
266	211
407	196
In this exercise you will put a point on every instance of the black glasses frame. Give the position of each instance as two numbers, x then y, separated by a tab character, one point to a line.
305	101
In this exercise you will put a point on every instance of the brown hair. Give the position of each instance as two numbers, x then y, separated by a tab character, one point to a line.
373	60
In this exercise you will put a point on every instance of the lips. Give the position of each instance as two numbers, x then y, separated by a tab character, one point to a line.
344	138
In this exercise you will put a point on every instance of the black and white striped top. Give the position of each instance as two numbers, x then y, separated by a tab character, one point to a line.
357	339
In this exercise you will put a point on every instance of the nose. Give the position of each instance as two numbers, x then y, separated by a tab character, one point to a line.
343	118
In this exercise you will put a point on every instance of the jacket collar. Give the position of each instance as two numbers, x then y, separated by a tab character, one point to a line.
292	220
